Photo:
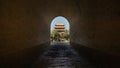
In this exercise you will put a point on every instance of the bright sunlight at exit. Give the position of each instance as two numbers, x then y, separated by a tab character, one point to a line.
60	30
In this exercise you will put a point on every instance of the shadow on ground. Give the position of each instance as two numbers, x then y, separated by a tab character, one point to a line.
75	56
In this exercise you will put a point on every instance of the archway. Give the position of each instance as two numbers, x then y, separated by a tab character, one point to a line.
60	30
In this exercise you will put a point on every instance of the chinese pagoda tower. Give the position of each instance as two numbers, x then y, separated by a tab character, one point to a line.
60	28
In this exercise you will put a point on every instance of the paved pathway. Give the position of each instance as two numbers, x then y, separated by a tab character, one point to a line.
61	55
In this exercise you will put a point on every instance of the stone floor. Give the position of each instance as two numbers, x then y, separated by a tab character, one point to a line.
61	55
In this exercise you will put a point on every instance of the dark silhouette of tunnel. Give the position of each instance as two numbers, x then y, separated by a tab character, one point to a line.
25	34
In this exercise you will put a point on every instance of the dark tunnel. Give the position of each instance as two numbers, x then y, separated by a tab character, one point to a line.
25	34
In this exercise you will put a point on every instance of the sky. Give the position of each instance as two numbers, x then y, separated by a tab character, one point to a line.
60	19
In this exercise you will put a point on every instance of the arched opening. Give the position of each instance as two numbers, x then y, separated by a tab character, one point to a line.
60	30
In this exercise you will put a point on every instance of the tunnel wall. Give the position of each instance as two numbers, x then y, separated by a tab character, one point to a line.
25	24
22	29
99	25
